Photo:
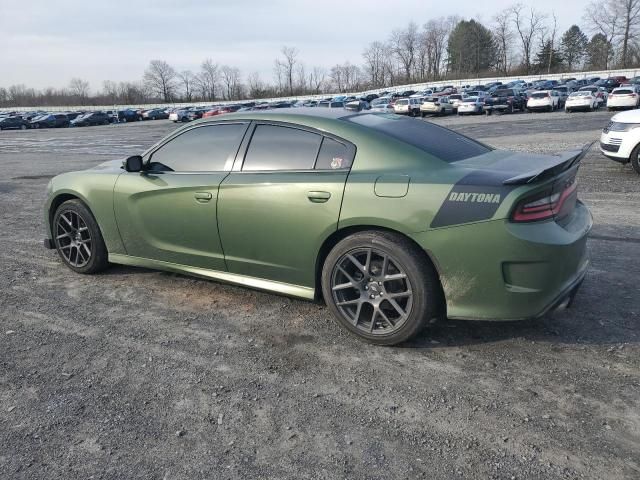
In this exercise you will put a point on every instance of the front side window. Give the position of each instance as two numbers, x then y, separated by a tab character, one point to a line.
201	149
274	147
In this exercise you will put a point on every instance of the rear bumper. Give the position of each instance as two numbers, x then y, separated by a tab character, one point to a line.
499	270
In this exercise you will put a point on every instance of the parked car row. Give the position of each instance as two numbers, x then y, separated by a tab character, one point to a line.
42	119
569	94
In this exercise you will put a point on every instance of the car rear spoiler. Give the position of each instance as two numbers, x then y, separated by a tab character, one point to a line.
564	162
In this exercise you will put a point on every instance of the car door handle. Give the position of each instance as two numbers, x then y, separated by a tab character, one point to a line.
203	197
318	197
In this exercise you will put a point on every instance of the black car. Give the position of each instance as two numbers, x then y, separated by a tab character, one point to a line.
13	122
88	119
129	115
73	115
504	100
608	83
56	120
155	114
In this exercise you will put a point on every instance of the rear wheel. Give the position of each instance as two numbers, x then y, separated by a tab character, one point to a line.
23	127
380	287
77	238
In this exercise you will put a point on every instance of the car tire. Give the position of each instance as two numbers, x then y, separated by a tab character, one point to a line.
23	127
422	114
396	309
634	160
78	239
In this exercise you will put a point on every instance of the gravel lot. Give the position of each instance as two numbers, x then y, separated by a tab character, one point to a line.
136	374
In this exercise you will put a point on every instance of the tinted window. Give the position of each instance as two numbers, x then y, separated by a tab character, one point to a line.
202	149
334	155
281	148
440	142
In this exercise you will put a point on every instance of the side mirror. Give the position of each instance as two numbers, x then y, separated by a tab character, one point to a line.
133	164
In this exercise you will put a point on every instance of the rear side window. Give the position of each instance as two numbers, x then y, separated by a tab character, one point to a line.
433	139
201	149
274	147
334	155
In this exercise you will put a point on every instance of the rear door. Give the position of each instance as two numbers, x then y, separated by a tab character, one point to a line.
169	212
281	201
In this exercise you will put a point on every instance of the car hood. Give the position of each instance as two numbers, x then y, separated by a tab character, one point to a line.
630	116
110	165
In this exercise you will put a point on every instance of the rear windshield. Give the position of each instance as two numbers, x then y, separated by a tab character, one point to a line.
402	102
503	93
539	95
433	139
623	92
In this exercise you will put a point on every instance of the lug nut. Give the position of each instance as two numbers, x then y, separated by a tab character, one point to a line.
373	296
366	287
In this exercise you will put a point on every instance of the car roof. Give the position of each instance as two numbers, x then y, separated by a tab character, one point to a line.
291	114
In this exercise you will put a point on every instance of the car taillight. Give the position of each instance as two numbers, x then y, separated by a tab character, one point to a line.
543	206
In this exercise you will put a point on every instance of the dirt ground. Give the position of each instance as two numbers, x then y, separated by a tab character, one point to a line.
135	374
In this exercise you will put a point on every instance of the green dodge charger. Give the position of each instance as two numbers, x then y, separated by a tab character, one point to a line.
391	221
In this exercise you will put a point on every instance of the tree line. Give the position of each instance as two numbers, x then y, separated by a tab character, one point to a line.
519	40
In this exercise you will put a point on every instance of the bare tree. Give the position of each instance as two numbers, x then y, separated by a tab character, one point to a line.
110	90
285	69
551	40
187	79
231	81
317	79
375	59
628	11
207	80
603	19
255	85
79	88
527	25
436	33
503	35
404	44
160	78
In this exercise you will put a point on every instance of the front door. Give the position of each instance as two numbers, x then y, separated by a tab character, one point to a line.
169	211
281	201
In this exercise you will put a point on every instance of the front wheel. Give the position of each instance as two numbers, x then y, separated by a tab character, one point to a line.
380	287
635	159
23	127
77	238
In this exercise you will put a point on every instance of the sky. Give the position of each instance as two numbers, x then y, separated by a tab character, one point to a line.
46	43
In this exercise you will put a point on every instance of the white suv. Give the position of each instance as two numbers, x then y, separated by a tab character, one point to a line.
407	106
548	100
620	139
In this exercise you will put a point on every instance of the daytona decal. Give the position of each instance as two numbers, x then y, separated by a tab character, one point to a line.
474	198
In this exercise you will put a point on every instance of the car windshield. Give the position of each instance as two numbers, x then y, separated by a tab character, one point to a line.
433	139
503	93
337	104
580	94
380	101
623	91
403	101
470	100
455	97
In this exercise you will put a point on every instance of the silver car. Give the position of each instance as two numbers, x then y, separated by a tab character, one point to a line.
471	106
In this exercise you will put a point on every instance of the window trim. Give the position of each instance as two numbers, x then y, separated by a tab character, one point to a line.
148	155
244	148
